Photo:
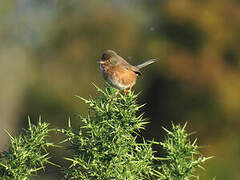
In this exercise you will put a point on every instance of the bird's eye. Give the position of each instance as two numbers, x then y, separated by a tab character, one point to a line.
105	57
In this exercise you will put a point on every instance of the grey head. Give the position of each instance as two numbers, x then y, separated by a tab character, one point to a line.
110	56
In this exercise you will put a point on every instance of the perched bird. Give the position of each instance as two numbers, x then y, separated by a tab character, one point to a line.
118	72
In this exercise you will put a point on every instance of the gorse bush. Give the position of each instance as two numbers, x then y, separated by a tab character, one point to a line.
183	156
105	146
26	154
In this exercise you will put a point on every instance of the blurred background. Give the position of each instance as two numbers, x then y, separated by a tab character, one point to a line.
49	50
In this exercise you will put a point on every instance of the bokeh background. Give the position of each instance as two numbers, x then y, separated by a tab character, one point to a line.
49	50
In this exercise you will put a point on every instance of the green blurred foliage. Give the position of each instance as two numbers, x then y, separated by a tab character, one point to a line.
49	51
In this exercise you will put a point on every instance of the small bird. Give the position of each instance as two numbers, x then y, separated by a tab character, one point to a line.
118	72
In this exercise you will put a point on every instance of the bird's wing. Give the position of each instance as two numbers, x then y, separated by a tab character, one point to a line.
132	68
128	66
136	70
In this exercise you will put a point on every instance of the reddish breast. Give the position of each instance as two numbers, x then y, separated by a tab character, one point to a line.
123	76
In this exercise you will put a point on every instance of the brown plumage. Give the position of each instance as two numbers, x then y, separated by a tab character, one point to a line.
118	72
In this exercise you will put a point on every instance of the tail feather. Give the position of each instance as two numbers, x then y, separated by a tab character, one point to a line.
146	63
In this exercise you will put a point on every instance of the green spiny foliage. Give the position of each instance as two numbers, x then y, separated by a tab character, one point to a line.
105	146
27	153
183	156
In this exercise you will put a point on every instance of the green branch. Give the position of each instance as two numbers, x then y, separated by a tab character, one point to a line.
105	146
26	154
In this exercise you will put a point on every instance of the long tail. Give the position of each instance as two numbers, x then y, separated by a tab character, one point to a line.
146	63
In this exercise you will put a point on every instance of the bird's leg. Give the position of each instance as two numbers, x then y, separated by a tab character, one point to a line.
130	88
126	90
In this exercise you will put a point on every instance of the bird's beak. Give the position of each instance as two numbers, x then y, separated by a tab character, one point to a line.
101	62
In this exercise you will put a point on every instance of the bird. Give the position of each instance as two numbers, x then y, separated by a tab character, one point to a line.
118	72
